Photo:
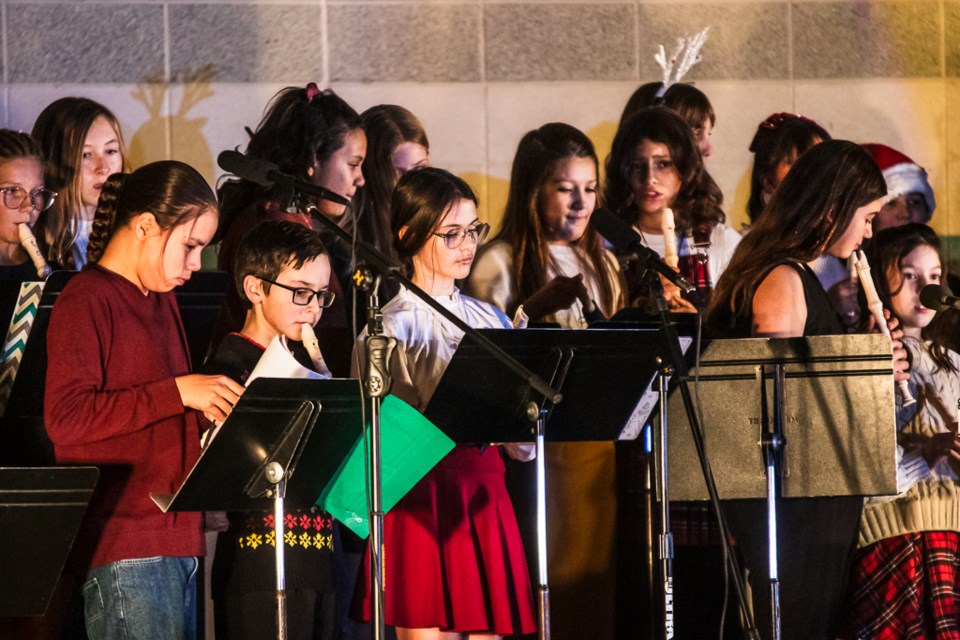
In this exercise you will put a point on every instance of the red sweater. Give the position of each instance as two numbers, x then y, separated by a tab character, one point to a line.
111	401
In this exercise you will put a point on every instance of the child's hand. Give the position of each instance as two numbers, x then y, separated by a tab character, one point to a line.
901	365
558	294
213	395
942	445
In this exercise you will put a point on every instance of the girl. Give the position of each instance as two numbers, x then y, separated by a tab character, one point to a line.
82	142
119	395
396	144
905	581
454	565
655	164
779	141
824	206
317	137
686	100
548	264
23	198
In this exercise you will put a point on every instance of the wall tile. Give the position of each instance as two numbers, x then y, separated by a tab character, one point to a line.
952	27
537	41
949	225
866	39
85	43
746	40
396	43
245	43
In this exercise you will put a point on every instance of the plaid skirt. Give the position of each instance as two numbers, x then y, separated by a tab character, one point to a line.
906	588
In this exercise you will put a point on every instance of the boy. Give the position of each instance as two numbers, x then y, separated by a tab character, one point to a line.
282	272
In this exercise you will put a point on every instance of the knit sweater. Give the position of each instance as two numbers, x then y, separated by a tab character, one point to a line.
929	499
112	401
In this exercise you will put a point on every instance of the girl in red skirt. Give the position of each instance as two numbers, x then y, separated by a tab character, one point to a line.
905	582
454	563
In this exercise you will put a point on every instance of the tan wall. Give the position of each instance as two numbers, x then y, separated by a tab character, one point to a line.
480	74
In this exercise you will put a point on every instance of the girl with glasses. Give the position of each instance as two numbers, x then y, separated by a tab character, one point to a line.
82	142
454	563
548	264
22	198
120	395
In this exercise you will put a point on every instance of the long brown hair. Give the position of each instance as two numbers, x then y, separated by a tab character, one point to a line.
387	127
697	205
809	211
172	191
540	153
61	130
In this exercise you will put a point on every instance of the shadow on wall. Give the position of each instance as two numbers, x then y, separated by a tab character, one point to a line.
150	142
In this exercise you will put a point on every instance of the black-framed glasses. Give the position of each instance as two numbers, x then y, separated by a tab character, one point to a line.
454	239
303	296
41	199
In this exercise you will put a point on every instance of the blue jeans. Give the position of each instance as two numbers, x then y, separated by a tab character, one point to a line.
149	598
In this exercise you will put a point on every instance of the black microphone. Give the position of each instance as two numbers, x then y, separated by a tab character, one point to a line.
266	174
625	240
936	297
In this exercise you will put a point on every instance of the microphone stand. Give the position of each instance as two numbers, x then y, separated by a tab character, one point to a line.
377	383
676	363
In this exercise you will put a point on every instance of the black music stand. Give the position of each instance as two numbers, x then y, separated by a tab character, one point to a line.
199	300
40	513
791	418
605	378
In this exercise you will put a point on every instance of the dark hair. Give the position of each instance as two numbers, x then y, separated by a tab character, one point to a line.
61	130
685	99
812	208
540	153
697	205
885	253
301	127
172	191
420	201
387	127
270	247
16	144
782	137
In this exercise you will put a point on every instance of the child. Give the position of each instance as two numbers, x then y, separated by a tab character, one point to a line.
778	142
396	144
82	142
686	100
23	198
909	194
119	394
550	265
824	206
282	272
655	164
454	562
905	580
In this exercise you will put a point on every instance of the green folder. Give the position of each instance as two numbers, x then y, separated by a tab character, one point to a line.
410	445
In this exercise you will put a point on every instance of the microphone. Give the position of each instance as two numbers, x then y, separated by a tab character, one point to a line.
625	240
936	297
266	174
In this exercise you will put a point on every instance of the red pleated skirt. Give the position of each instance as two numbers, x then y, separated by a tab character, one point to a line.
453	557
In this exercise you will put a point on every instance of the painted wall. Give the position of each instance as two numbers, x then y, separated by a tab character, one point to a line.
185	78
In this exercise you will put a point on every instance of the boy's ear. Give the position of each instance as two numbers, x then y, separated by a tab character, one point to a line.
402	232
253	289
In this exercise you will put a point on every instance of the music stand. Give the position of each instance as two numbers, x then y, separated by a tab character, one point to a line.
40	511
791	417
199	300
602	374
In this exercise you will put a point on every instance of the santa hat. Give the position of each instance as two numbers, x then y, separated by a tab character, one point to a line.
902	174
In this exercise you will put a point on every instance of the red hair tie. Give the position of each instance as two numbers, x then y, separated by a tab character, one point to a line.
312	91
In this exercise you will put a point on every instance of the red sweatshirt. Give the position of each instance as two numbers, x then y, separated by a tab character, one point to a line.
111	401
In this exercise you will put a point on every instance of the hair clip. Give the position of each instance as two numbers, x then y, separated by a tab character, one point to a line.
777	120
684	57
312	91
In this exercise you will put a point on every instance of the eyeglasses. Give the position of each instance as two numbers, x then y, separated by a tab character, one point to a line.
40	199
303	296
454	239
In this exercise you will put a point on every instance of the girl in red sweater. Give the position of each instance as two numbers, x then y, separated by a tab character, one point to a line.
119	395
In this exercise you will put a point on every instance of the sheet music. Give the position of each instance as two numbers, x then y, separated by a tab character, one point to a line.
648	402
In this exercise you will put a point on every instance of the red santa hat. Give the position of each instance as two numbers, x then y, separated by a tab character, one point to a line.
902	174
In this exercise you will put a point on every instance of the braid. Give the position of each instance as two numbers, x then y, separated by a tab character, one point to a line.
105	220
